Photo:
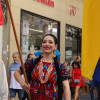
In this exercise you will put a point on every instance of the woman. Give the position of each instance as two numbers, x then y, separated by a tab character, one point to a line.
77	80
48	74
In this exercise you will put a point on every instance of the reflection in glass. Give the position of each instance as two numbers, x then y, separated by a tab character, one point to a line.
73	42
33	28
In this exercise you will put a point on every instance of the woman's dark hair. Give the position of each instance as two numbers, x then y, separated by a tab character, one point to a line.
53	36
59	81
77	63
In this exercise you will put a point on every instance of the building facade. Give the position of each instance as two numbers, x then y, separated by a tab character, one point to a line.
35	18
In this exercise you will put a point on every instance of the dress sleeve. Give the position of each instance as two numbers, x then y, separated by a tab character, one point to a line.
64	72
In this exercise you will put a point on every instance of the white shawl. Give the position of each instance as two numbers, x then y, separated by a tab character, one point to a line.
3	82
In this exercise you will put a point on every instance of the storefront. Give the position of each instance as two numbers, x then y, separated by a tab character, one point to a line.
73	42
33	28
35	18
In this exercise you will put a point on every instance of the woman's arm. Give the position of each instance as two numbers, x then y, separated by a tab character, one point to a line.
18	78
66	88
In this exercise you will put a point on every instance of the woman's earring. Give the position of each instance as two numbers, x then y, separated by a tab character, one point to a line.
54	54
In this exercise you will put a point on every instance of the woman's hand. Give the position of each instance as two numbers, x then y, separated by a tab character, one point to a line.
19	79
25	86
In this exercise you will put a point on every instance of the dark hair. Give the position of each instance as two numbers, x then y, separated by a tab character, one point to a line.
53	36
59	80
28	56
77	63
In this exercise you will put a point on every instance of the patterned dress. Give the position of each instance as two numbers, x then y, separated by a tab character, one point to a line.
48	90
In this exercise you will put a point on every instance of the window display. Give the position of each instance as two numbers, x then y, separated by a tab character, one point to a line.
73	42
33	28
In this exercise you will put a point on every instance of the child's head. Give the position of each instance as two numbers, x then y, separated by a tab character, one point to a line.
66	63
76	64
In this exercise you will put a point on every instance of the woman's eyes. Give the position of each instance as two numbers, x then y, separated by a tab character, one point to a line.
48	41
44	42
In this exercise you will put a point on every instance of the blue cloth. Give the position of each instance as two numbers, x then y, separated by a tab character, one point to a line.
14	67
38	53
97	85
96	75
57	54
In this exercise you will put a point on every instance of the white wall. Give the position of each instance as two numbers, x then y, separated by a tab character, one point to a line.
1	39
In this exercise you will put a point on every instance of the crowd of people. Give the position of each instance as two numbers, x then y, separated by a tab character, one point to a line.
48	78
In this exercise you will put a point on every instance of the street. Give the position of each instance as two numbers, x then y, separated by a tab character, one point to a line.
83	97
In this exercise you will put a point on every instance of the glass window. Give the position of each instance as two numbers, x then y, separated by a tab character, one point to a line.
73	42
33	28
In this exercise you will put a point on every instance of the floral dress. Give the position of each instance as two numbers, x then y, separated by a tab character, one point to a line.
49	89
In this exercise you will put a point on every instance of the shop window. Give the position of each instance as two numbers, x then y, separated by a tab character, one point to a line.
73	42
33	28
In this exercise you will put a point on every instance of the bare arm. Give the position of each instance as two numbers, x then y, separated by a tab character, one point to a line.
18	78
66	88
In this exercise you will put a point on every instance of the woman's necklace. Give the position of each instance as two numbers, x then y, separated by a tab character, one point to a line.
44	78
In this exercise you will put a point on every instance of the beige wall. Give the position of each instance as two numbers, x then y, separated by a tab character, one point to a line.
1	32
60	13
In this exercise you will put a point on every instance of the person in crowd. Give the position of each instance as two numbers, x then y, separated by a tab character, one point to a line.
49	76
30	56
87	84
3	82
77	80
74	59
66	65
79	59
14	86
95	89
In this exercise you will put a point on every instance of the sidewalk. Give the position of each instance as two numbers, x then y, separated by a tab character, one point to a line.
83	97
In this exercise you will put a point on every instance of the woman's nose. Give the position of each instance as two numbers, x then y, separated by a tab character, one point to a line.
47	43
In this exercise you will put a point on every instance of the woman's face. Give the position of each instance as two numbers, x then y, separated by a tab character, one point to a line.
75	66
48	44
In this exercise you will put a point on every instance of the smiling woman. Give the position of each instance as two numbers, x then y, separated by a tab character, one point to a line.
47	75
48	44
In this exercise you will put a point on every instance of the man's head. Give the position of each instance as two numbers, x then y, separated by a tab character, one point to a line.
16	58
75	58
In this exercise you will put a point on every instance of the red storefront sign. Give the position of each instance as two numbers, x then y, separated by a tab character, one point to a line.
73	10
47	2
